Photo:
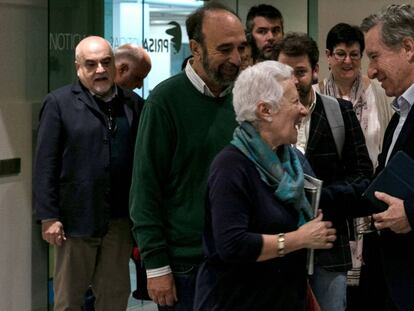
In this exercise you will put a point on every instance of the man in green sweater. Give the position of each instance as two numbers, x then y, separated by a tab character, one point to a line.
186	121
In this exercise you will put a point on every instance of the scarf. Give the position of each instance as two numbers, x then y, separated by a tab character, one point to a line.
282	173
357	97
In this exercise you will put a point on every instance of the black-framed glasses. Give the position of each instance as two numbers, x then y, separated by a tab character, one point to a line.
341	55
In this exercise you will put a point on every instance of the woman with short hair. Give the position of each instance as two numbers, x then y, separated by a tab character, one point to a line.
258	220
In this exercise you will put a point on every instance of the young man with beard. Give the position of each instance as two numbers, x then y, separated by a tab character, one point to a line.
186	121
345	175
264	27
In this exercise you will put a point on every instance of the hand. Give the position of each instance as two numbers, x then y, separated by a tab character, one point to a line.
318	234
162	290
52	232
394	217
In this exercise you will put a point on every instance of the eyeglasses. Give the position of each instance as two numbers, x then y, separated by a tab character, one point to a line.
341	55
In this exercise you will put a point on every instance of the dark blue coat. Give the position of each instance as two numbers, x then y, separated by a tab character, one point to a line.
397	250
71	170
240	208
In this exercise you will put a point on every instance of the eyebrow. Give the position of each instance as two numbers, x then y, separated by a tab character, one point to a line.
98	60
266	28
342	50
230	45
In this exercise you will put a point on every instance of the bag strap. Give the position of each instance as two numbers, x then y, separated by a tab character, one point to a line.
335	120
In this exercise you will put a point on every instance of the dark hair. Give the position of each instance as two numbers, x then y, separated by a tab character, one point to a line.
263	10
345	33
297	44
194	22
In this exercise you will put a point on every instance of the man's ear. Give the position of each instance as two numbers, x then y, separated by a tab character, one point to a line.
315	73
123	68
408	46
77	65
195	48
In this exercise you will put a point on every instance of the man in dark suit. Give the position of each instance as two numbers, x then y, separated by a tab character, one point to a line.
389	41
82	175
344	175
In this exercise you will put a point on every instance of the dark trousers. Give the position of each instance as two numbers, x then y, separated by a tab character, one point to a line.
371	294
185	279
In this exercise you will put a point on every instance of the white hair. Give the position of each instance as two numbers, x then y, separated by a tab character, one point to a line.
259	83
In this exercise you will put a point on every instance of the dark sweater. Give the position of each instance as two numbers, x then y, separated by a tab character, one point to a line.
241	207
180	133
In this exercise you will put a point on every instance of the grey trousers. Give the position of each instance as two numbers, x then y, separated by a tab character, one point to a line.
100	262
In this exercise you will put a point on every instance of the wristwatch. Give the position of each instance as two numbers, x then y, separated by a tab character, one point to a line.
281	244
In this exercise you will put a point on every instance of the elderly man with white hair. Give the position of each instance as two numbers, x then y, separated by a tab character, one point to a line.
258	220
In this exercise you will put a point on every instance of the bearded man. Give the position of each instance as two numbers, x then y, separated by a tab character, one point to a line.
186	121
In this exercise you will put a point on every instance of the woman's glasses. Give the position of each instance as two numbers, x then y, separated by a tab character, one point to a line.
341	55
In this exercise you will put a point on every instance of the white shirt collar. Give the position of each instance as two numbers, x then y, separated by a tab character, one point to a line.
199	84
408	95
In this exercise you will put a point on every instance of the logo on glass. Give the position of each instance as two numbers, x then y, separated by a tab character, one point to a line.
175	32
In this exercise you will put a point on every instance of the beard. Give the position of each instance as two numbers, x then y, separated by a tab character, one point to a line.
224	75
303	91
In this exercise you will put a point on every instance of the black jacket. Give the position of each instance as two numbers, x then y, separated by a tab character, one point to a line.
344	177
71	179
397	250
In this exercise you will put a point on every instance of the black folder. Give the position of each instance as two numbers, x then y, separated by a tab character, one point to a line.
396	179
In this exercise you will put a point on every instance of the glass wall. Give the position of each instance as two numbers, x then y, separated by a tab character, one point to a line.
158	26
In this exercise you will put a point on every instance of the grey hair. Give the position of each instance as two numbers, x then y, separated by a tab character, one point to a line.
397	21
260	82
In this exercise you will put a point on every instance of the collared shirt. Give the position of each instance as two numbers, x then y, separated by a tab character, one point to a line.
402	105
109	97
199	84
303	132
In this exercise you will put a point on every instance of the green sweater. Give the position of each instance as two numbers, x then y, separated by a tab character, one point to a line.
180	132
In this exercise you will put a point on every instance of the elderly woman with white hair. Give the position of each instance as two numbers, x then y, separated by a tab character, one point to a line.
258	220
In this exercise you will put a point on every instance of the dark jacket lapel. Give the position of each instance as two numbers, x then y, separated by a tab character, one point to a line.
318	126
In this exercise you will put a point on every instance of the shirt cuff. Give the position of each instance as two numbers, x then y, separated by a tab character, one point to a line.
153	273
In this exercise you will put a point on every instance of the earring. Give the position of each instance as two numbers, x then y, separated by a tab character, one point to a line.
268	119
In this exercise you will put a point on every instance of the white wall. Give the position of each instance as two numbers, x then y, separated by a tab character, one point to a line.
294	12
23	82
